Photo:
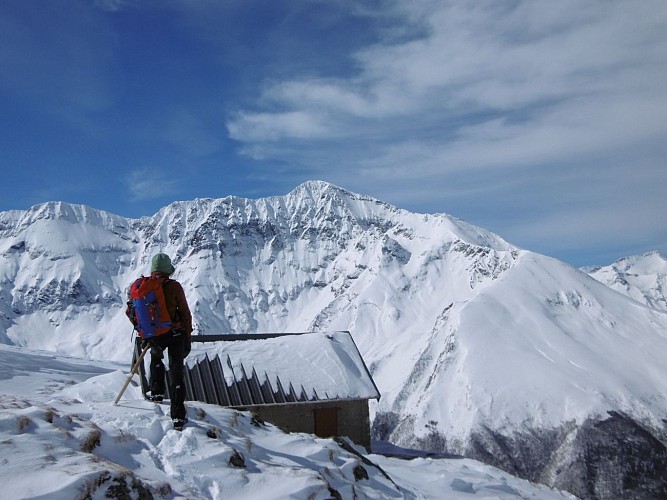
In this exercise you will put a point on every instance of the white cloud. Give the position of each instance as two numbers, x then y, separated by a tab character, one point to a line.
477	59
150	183
326	95
301	124
110	5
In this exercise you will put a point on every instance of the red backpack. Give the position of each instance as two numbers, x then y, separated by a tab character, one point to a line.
147	308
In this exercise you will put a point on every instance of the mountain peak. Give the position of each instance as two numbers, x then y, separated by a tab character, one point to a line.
640	277
315	186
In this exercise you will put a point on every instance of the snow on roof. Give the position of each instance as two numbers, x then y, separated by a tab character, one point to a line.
278	369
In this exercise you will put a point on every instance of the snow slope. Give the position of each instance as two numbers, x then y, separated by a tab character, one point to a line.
544	345
62	437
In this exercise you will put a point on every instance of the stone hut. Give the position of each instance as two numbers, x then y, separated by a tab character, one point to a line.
316	382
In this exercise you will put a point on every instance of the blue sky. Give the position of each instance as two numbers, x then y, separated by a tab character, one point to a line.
545	122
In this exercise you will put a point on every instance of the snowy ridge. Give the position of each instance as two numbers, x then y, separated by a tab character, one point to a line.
641	277
467	337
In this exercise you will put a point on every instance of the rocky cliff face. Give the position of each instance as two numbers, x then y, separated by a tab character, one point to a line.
603	457
478	347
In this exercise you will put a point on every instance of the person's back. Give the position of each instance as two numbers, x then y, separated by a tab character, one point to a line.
177	305
176	341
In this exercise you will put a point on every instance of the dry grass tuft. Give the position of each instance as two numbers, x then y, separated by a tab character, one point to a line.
24	422
91	441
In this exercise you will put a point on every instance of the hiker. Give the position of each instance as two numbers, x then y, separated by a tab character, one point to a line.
174	336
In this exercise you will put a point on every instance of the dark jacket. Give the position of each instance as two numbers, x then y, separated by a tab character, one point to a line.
177	305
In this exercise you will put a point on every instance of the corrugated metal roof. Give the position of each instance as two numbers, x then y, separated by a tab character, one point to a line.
266	369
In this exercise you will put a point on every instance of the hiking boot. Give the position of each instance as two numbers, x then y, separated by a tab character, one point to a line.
179	423
156	398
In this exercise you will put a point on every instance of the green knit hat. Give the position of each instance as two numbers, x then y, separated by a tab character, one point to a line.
162	263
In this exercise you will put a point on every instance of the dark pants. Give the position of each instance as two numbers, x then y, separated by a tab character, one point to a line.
174	343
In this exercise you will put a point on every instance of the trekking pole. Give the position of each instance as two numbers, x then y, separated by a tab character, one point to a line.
134	370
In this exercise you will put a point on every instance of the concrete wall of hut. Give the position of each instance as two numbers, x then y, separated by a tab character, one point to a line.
352	418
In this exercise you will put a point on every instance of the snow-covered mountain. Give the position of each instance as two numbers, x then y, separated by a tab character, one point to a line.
641	277
478	347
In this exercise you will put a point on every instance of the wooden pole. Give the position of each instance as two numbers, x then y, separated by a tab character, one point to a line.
135	368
